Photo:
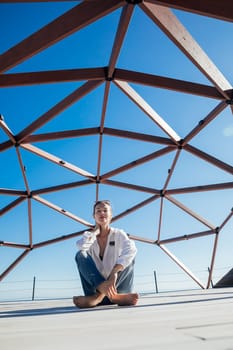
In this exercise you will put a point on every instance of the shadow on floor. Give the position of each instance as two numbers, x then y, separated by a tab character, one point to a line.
72	309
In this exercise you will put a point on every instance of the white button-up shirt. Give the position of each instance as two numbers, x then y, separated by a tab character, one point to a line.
120	249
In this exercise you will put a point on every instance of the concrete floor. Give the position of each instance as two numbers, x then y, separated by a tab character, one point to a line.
198	319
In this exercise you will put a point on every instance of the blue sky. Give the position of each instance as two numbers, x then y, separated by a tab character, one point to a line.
146	49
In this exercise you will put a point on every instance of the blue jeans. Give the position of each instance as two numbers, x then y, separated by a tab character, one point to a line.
91	277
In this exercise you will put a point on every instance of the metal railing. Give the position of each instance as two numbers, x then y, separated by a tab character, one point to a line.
153	282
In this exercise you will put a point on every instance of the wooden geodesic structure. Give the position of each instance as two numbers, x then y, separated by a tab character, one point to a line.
165	139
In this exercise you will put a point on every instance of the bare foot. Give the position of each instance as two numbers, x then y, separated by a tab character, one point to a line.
125	299
88	301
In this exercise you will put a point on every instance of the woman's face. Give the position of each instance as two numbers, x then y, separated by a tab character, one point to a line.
103	214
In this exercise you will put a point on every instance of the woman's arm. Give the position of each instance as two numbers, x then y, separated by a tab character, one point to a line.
87	239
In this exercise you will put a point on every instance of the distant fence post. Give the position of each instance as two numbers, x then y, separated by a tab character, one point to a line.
33	288
156	284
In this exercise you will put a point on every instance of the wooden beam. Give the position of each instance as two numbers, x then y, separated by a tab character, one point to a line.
226	220
5	145
208	158
7	130
167	83
138	136
190	212
186	237
171	169
58	108
100	145
12	266
211	8
61	187
204	122
142	239
22	168
135	207
172	27
33	1
73	20
138	162
58	239
39	152
130	186
201	188
61	210
145	107
12	205
30	226
181	265
11	192
222	10
69	75
54	76
126	15
57	135
212	260
14	245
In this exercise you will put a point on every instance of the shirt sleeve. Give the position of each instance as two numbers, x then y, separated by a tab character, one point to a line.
128	250
88	238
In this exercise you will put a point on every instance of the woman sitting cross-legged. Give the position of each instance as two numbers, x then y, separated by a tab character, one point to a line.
105	262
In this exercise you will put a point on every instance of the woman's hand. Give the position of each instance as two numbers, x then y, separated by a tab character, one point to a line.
108	288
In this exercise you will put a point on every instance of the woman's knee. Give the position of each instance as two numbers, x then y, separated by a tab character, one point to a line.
80	255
